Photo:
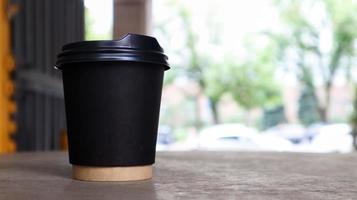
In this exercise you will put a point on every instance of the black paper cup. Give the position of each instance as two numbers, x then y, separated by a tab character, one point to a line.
112	95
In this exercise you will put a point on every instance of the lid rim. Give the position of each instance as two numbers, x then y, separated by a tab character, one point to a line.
132	48
109	50
60	63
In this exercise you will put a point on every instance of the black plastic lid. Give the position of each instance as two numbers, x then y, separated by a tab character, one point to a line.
132	47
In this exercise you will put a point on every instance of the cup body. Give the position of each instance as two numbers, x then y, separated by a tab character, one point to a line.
112	112
112	92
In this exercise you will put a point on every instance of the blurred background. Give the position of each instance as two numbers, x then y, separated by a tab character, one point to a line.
258	75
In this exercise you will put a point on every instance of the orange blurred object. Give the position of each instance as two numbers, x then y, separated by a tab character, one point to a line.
7	65
64	140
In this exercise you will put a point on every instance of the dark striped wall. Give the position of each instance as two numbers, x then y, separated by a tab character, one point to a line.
39	30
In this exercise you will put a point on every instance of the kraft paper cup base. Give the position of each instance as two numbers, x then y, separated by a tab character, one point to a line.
132	173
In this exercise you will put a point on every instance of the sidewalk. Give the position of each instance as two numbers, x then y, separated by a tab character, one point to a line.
189	175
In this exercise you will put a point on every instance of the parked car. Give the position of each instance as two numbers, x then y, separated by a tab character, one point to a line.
333	138
164	138
240	137
313	130
295	133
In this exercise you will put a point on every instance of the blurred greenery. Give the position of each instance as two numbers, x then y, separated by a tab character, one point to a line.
250	82
308	27
314	41
308	112
273	117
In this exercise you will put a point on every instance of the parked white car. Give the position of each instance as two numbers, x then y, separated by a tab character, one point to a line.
313	130
293	132
164	138
333	138
240	137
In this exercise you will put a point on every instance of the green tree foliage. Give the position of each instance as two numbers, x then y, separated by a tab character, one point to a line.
217	79
194	69
252	83
249	81
308	114
273	116
317	42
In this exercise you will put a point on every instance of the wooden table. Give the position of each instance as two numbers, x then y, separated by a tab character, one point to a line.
189	175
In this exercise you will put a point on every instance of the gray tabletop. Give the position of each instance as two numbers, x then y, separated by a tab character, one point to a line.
189	175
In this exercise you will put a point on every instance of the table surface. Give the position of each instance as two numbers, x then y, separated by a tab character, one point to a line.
189	175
